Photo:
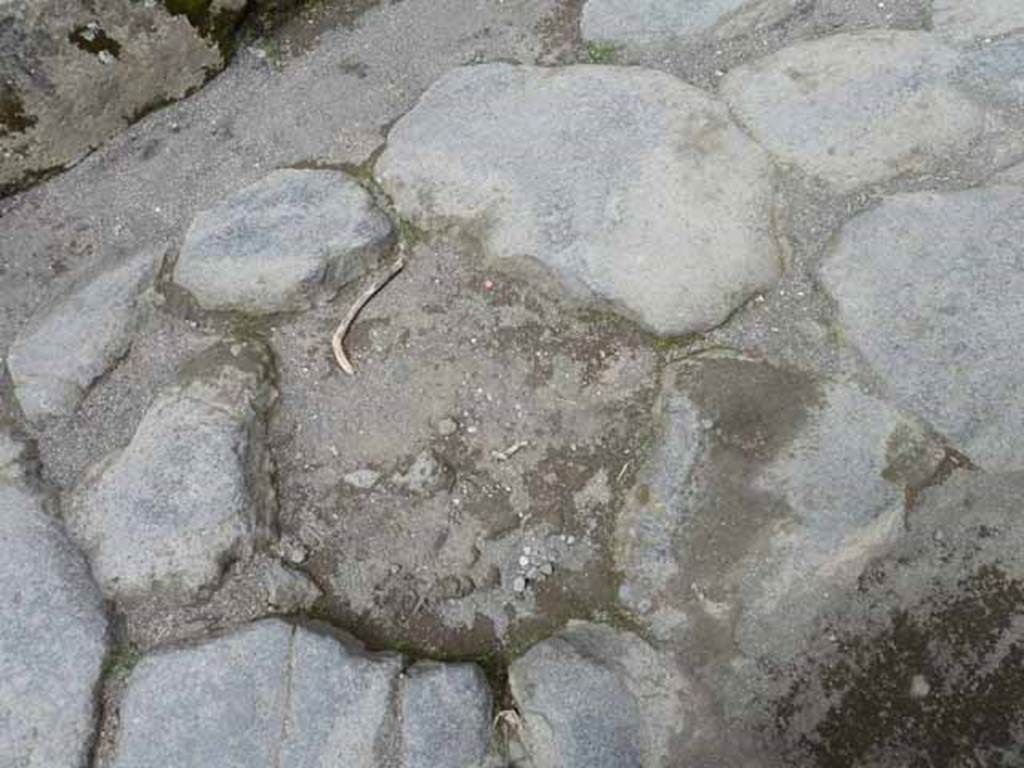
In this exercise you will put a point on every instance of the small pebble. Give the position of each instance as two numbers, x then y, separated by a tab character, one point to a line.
524	561
447	427
547	569
519	584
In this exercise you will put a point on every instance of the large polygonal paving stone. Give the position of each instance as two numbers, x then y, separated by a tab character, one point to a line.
856	109
190	493
930	288
53	633
284	243
632	187
767	490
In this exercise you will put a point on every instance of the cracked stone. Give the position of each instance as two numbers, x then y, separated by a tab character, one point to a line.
190	492
632	187
928	287
52	638
68	345
273	694
287	242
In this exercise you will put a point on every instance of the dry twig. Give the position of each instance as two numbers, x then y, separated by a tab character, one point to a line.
339	334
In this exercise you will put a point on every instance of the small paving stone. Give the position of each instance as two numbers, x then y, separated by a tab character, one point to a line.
190	492
928	287
967	19
52	637
636	190
446	716
664	21
591	697
69	344
817	106
284	243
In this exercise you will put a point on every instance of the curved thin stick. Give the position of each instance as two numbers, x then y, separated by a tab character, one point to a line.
365	296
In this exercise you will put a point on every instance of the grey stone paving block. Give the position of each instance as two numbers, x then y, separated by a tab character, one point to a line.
445	712
967	19
52	636
190	492
221	703
855	109
658	21
289	240
929	289
65	347
592	697
630	186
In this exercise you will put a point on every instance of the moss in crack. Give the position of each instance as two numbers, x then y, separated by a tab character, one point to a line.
120	662
601	53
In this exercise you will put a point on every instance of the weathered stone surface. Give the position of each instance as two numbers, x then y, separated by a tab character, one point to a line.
73	75
1013	175
633	187
445	713
967	19
190	493
928	287
596	698
662	21
283	243
923	661
53	633
68	345
818	106
767	491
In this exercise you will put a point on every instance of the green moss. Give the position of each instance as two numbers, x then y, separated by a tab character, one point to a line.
120	662
601	53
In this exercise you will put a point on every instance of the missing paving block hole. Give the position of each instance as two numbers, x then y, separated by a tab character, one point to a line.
91	38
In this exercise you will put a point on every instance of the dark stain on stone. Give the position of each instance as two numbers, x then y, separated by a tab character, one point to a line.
12	112
940	683
93	39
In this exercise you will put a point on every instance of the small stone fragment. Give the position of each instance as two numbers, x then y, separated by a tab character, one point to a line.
68	345
637	190
363	479
445	716
519	584
447	427
190	492
285	243
426	475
